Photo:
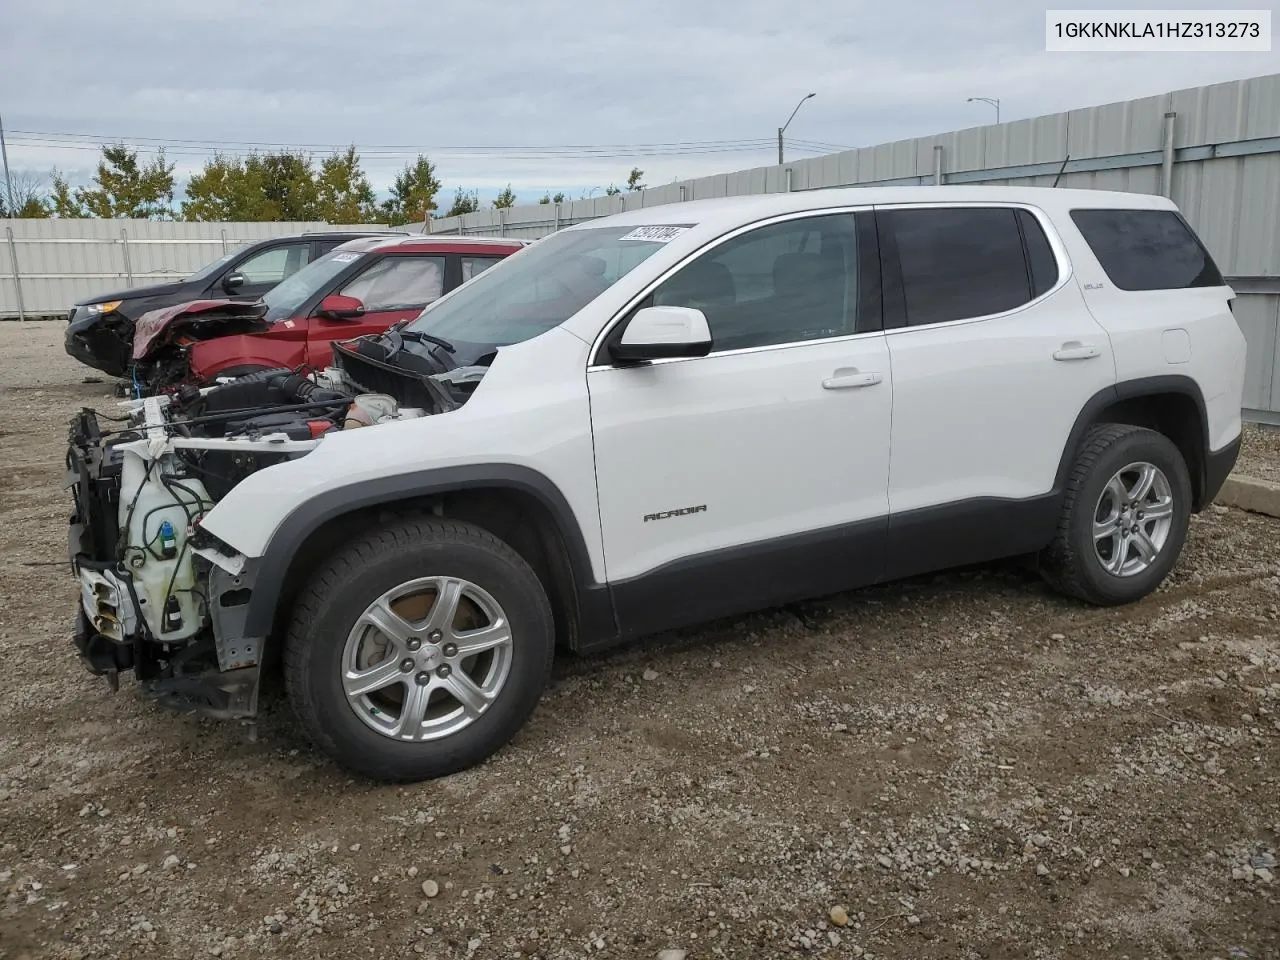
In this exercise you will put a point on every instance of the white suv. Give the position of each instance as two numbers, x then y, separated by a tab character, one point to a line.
651	420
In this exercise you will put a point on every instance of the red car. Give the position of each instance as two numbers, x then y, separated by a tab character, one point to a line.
361	287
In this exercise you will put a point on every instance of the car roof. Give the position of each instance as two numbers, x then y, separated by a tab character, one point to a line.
441	243
725	213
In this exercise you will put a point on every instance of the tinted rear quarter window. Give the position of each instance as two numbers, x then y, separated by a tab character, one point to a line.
959	263
1147	249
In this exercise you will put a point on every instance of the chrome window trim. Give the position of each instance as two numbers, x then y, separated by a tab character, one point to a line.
1051	234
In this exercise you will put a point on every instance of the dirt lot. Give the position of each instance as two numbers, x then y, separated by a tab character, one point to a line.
966	765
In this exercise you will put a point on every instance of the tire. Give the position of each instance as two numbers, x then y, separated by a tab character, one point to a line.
1080	561
330	634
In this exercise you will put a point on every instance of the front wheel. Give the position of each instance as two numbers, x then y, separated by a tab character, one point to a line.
418	650
1124	519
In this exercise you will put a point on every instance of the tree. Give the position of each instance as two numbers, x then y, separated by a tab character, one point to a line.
270	186
287	182
29	200
343	191
64	204
633	179
464	202
505	199
124	187
612	191
413	195
548	198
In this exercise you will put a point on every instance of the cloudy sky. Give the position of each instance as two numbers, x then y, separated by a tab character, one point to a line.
549	94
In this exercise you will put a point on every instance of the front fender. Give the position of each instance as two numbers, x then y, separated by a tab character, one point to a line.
208	358
271	569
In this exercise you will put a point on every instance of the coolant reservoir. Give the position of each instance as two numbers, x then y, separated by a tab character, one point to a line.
157	554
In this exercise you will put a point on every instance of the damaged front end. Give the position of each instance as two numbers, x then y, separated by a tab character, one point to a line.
159	358
159	595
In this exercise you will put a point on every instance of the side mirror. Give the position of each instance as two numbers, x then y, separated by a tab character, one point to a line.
661	333
338	307
233	281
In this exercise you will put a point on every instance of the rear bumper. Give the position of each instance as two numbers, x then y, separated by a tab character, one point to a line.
1218	465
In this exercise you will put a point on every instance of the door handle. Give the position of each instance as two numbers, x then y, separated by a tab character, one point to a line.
849	378
1075	350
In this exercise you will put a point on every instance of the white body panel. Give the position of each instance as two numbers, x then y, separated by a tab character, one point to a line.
1190	333
984	407
530	410
752	436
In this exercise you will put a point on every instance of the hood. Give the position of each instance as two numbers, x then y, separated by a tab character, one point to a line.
201	318
134	293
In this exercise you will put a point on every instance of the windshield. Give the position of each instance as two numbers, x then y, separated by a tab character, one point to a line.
209	269
284	299
538	288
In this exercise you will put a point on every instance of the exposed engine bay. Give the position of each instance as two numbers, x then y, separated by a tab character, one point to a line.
158	595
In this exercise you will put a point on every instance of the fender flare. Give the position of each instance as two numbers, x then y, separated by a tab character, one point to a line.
272	568
1133	390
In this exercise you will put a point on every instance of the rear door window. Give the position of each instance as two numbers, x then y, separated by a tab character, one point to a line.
1147	249
474	266
959	263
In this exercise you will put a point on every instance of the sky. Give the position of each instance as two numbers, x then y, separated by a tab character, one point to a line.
502	92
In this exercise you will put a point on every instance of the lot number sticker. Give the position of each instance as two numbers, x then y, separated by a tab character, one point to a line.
655	234
346	257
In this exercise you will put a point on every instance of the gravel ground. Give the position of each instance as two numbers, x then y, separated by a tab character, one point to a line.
961	766
1260	454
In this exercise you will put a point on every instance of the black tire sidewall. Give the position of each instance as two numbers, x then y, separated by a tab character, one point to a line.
321	641
1153	448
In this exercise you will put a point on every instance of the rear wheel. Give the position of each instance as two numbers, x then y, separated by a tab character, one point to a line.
1124	519
419	650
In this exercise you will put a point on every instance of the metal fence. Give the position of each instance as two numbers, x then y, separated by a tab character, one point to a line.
47	265
1215	150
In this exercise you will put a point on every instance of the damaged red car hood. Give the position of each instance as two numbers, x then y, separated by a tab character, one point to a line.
156	327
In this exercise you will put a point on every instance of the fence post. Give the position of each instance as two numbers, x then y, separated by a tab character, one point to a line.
682	193
788	180
461	217
124	246
224	241
1166	163
17	281
502	222
937	164
557	220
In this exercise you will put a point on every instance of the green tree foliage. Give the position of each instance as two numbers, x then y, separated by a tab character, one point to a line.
274	186
123	187
343	191
413	195
463	202
505	199
287	183
633	179
612	191
64	204
548	198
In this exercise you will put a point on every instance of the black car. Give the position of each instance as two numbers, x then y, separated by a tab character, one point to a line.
100	329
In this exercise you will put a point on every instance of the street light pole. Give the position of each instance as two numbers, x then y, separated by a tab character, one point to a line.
994	101
782	129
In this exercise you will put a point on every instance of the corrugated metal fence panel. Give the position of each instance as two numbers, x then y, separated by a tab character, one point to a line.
1259	317
62	261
